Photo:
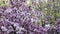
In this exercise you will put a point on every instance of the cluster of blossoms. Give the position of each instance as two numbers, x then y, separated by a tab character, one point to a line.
20	18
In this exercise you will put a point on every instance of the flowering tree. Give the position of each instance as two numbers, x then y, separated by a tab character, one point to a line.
29	16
